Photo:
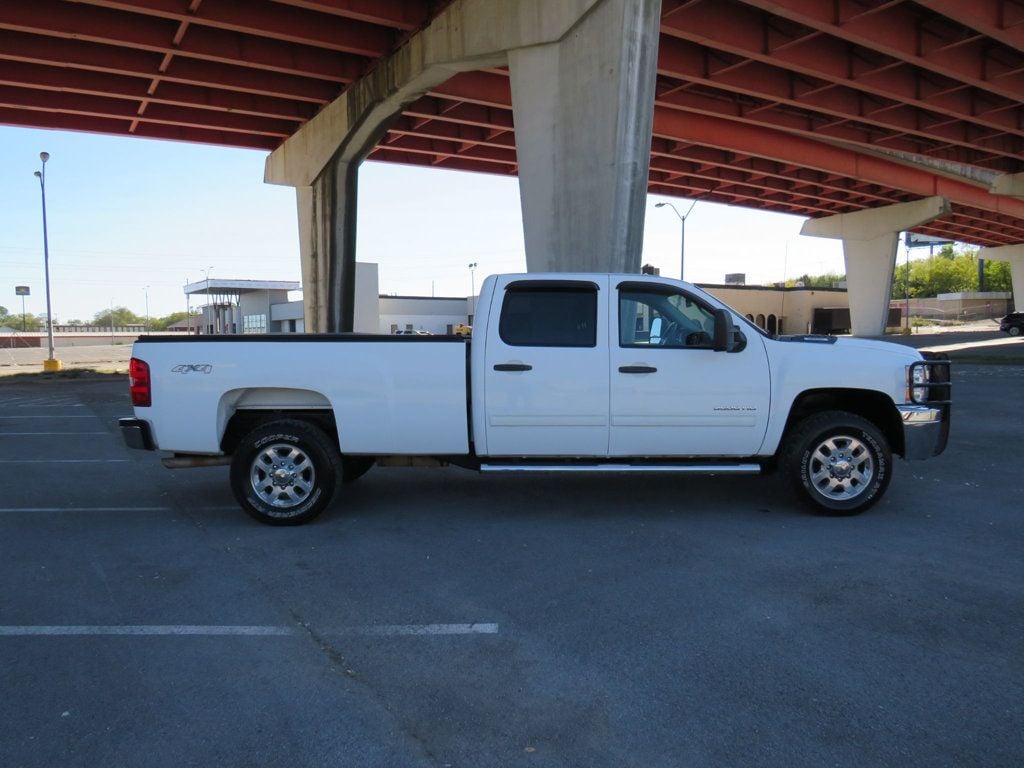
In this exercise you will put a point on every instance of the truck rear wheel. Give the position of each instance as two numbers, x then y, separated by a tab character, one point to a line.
838	463
285	472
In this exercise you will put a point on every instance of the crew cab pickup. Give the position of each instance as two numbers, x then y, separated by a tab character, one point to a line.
562	373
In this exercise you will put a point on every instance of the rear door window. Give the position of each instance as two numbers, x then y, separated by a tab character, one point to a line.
542	316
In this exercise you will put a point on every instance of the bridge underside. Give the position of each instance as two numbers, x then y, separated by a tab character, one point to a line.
812	107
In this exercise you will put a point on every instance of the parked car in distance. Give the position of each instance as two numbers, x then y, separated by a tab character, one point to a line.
413	333
1013	323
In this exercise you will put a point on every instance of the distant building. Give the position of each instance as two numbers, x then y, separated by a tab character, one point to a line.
242	306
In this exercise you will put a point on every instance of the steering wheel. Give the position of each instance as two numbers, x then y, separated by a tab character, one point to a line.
698	339
672	335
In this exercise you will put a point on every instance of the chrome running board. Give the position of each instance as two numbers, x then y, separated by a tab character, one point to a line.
678	469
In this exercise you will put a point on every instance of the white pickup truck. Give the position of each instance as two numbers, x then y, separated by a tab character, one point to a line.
563	373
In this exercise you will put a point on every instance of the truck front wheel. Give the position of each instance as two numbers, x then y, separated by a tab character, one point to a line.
839	463
284	472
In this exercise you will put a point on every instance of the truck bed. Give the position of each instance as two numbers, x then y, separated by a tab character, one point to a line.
392	394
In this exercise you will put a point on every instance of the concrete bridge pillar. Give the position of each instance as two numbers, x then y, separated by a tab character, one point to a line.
1015	255
583	110
869	240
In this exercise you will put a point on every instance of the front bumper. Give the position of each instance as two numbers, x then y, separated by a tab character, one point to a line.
925	430
137	434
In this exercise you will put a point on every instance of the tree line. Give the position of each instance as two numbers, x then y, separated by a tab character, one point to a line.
947	271
121	316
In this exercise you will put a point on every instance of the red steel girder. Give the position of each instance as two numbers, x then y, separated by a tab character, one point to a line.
1001	20
266	20
496	120
444	148
801	151
901	31
694	63
405	15
77	27
477	87
725	25
460	133
137	89
1002	155
102	106
90	124
71	56
453	162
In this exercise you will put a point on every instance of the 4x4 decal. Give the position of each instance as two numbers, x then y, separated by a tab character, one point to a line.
204	368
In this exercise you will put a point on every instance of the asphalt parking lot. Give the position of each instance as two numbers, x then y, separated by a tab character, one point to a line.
436	618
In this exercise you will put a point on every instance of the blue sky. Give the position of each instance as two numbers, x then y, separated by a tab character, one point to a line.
127	213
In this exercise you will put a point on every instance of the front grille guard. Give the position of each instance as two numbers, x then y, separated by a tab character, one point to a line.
939	387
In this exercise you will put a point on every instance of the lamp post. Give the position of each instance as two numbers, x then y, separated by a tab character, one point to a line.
472	291
50	364
146	289
682	233
188	309
206	273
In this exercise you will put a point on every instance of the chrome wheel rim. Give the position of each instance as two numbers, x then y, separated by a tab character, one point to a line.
282	476
841	468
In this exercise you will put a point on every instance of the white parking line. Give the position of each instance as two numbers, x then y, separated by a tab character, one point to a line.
206	630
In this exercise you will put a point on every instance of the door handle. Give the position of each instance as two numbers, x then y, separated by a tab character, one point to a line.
637	369
513	367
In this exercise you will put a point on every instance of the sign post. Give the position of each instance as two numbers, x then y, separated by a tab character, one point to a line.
23	291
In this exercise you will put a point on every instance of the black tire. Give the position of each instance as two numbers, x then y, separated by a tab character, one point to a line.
837	462
354	467
307	465
1013	330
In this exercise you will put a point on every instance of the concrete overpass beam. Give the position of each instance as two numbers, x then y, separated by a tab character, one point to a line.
869	240
1011	184
583	110
1015	255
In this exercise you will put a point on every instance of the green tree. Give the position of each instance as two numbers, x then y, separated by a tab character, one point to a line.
997	276
161	323
122	316
828	280
948	272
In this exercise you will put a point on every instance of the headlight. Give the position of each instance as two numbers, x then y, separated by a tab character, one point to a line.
920	374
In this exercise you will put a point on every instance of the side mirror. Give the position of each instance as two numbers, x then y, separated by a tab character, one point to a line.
727	337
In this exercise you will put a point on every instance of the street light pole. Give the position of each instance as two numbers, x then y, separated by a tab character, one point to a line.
206	272
50	364
472	289
146	289
682	234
